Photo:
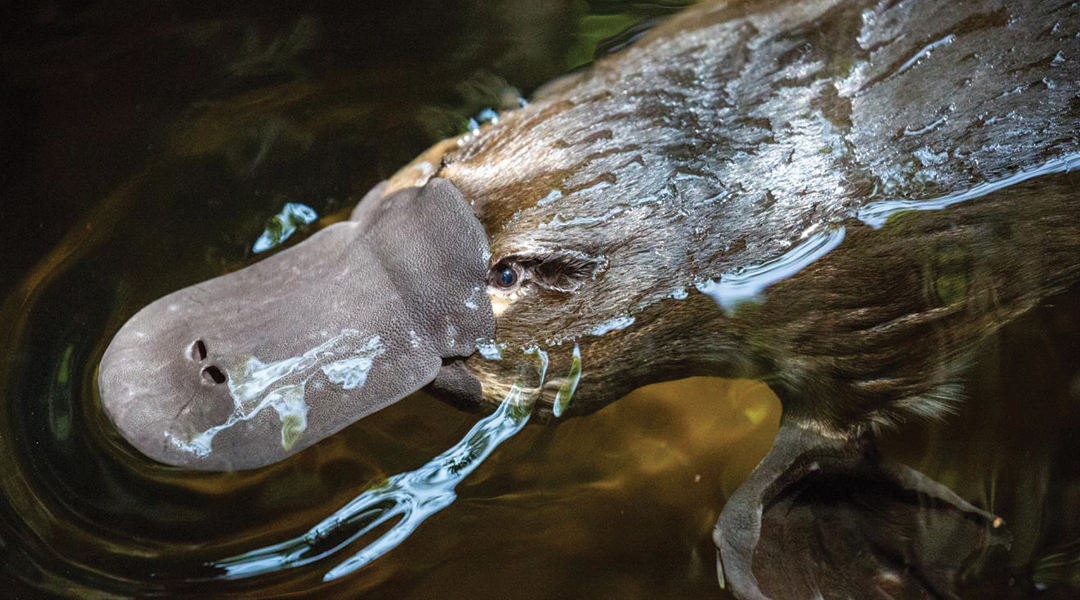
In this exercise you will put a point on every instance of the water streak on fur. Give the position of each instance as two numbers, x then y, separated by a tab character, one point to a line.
876	214
569	385
733	289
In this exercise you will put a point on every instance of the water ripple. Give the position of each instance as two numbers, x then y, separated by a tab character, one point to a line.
413	495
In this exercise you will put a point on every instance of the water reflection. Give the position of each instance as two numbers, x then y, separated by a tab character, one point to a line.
414	496
569	384
281	226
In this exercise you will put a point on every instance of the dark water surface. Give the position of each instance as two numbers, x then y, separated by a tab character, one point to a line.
144	149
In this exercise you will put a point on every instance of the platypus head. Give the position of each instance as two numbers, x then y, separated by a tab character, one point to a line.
463	280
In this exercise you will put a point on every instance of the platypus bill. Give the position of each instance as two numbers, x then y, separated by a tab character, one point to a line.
839	198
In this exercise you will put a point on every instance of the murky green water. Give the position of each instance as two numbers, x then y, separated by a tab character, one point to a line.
146	149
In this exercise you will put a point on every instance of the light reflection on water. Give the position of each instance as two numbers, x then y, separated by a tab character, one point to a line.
283	225
414	496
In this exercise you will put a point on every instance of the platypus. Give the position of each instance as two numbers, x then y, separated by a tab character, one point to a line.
839	198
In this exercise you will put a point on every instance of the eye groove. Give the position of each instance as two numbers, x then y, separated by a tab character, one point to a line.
563	271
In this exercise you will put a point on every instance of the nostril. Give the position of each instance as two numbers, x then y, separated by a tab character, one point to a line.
213	374
198	350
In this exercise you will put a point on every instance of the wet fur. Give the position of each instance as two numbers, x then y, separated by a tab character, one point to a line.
719	140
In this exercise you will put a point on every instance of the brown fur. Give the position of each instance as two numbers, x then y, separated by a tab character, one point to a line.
717	142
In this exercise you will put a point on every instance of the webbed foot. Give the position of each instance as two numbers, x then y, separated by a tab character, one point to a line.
829	518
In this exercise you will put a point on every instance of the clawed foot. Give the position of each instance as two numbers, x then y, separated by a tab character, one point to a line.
824	518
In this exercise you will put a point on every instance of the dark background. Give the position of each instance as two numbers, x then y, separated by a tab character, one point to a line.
91	92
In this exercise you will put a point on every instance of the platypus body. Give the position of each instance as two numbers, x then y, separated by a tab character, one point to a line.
726	139
839	198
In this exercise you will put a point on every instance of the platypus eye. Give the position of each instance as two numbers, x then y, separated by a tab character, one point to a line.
506	277
562	271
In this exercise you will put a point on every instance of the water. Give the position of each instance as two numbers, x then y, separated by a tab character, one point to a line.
282	225
148	150
612	324
254	386
569	384
414	496
925	52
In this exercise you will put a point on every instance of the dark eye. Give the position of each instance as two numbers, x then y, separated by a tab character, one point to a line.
506	277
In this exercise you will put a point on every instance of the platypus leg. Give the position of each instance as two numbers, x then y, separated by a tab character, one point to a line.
829	518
